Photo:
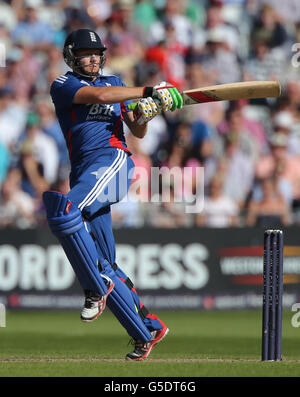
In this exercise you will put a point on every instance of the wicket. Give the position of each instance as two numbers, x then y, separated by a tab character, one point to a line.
272	295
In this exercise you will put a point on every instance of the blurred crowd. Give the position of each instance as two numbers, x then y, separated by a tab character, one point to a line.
249	151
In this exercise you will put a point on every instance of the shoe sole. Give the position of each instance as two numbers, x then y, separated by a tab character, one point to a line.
89	320
150	349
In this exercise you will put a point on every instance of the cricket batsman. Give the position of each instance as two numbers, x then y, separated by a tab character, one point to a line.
91	109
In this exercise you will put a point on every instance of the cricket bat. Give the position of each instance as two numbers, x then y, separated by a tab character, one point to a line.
229	92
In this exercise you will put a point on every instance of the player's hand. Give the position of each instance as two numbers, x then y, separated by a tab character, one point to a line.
148	108
168	96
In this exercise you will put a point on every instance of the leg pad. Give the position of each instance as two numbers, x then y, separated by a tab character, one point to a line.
65	222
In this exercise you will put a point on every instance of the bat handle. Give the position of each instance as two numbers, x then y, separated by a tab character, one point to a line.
133	106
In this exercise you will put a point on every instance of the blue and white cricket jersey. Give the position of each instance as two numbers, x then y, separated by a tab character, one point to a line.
89	129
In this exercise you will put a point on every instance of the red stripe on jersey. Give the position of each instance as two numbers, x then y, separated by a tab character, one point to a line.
114	141
123	109
73	116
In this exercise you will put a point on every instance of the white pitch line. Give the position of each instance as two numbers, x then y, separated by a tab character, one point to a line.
156	360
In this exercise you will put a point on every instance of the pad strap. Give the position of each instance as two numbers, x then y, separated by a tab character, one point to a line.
121	301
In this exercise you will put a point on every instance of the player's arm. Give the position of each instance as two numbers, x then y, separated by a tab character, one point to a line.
103	95
165	93
138	130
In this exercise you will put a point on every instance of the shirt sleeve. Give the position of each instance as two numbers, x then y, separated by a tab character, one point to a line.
124	105
63	90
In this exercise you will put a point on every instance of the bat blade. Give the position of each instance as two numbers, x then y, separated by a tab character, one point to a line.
229	92
232	91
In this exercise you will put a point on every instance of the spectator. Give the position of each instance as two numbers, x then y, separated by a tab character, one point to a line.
50	126
21	58
16	207
51	13
268	27
182	164
271	210
237	170
215	22
265	63
219	210
124	11
203	140
7	16
288	11
124	50
236	126
40	171
211	113
279	156
5	41
220	59
55	66
169	213
284	123
76	16
127	212
174	13
157	135
282	185
31	30
99	11
145	14
169	55
12	118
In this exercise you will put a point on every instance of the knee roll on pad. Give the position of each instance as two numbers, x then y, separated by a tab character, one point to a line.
121	303
65	222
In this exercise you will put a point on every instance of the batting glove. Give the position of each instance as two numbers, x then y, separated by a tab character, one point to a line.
148	109
167	94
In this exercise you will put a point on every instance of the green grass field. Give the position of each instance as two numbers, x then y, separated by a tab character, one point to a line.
210	344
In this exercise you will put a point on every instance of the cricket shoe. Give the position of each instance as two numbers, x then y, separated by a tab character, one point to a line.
94	305
143	349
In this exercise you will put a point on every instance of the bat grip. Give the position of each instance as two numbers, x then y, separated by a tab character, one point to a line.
133	106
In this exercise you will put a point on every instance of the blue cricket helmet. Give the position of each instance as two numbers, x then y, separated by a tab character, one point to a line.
78	40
